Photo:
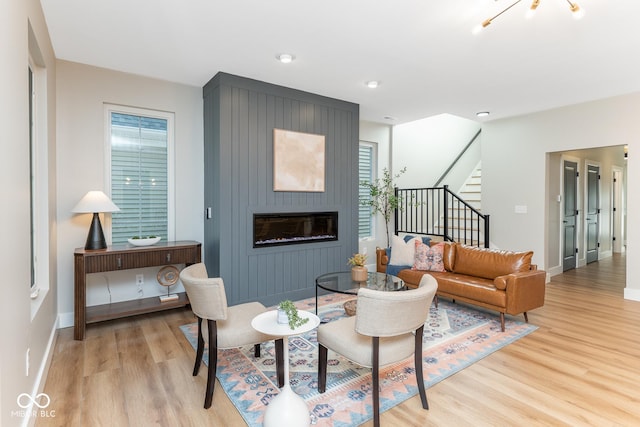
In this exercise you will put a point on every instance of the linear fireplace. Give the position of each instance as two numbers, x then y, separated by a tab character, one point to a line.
274	229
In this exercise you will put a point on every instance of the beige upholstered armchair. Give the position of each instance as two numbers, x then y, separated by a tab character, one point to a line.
387	328
225	327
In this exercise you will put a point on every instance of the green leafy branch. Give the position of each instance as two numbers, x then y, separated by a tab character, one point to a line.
383	199
292	314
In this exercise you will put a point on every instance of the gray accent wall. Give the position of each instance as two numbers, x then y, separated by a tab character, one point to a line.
240	115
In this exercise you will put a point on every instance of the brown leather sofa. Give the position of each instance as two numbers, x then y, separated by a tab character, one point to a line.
499	280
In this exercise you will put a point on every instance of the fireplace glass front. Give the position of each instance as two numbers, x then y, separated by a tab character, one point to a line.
274	229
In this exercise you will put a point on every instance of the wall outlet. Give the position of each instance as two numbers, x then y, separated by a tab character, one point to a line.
139	283
520	209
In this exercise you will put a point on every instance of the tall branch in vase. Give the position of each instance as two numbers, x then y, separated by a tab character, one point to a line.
382	198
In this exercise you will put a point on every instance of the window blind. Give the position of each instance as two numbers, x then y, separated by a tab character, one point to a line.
139	184
365	169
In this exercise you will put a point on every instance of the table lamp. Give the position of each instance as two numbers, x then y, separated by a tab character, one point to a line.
95	202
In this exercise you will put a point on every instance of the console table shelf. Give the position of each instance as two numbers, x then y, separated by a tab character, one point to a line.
117	310
126	257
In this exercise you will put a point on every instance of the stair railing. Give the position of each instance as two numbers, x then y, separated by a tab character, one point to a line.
437	211
455	161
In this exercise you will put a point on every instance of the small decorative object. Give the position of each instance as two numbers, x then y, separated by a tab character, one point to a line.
359	272
288	313
350	307
143	241
168	276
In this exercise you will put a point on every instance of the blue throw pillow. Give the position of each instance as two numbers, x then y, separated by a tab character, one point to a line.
425	239
395	269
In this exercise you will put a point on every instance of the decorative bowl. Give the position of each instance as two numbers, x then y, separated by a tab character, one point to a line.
144	242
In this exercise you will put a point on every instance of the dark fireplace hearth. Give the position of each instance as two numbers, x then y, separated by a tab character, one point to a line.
274	229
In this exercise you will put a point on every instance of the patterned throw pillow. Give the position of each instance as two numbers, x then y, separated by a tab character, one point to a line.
428	258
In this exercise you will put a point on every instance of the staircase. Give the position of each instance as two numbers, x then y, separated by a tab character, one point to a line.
471	191
459	220
440	213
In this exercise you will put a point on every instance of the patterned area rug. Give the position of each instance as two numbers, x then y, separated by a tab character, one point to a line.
455	337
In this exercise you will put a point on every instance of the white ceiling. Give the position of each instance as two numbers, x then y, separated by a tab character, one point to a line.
422	51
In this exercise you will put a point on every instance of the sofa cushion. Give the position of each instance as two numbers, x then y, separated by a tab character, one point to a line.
500	282
489	263
428	258
449	255
402	253
412	278
471	288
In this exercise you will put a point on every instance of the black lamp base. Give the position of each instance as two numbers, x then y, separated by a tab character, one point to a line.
95	239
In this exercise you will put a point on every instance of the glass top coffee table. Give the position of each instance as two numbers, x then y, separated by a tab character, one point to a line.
342	283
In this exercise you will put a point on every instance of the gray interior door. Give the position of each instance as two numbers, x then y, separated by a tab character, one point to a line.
616	207
592	212
570	214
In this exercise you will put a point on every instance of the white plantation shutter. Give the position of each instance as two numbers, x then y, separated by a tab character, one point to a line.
365	168
139	176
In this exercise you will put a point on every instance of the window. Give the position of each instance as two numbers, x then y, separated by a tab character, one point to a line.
39	185
141	166
38	179
366	166
32	178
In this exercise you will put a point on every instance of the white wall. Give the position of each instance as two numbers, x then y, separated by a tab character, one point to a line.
427	148
82	92
514	160
20	330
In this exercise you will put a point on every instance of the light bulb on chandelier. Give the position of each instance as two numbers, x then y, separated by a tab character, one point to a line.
576	10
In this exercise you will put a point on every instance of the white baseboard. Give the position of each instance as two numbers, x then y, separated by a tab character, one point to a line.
632	294
65	320
605	254
43	371
553	271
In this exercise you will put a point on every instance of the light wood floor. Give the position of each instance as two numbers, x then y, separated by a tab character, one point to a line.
581	367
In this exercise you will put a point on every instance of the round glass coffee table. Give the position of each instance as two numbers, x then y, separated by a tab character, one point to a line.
342	283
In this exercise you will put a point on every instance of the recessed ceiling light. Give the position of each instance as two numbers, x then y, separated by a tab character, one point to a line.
372	84
285	58
390	118
482	114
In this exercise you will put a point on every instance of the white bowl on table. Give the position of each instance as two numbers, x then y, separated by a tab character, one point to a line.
144	242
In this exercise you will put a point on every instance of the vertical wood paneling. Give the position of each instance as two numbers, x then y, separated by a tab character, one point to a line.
212	117
240	115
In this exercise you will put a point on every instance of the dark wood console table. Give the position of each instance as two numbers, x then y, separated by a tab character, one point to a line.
124	257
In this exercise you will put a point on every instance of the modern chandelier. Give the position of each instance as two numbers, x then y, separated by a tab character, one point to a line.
573	7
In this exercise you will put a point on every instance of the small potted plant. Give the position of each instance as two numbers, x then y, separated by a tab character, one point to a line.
288	313
358	269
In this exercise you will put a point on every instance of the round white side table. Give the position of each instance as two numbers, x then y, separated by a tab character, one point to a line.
287	409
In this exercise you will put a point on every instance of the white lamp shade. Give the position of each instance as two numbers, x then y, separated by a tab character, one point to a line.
95	201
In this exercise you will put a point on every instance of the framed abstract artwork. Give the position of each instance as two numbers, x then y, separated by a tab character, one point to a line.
298	161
